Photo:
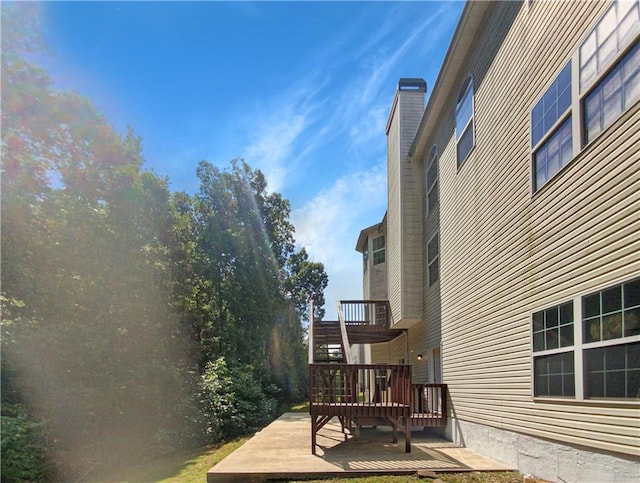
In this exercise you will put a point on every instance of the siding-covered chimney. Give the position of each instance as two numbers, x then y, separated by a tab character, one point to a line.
404	205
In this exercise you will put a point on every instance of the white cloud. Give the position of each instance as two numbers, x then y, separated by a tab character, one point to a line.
328	227
273	143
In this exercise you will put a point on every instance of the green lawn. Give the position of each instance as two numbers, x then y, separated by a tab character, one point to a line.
181	467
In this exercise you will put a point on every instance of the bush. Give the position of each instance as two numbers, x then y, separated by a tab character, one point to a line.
234	401
24	447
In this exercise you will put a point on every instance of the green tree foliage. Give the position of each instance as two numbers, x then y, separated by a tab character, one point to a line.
24	447
134	319
234	401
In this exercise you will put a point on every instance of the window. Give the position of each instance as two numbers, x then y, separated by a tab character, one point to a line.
555	153
433	256
618	91
552	143
589	347
432	180
378	250
554	103
555	375
612	34
365	259
464	122
553	365
612	369
606	84
553	328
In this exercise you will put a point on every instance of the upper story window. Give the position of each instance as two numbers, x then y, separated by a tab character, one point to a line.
551	135
612	34
433	260
365	259
584	100
618	91
589	347
610	68
465	137
378	250
432	180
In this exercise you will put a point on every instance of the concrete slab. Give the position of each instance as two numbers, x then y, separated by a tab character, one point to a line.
282	451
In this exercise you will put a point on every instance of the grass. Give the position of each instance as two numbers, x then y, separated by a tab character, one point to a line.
300	408
180	467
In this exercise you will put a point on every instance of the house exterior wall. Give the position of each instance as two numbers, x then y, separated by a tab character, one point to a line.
509	249
507	252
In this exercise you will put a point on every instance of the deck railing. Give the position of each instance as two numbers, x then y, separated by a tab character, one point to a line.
428	404
360	386
367	312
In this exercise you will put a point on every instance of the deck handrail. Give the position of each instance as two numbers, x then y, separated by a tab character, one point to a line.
310	335
366	312
346	347
429	401
360	385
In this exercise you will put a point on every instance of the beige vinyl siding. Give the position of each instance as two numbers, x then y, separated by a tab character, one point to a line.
394	271
380	353
505	252
378	282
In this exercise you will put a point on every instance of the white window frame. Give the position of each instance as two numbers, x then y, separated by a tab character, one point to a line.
581	89
579	347
435	260
550	134
432	162
377	251
466	89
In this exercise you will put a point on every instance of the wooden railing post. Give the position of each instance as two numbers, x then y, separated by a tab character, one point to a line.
345	339
312	349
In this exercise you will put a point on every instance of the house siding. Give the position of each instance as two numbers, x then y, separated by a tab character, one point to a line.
394	232
506	252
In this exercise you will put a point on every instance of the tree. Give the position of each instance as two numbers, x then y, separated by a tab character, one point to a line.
307	281
95	344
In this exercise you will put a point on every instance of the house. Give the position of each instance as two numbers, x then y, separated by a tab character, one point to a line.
509	255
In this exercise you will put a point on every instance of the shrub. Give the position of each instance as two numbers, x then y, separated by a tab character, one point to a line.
24	447
234	400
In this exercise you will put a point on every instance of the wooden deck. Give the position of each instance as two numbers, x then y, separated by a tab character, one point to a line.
362	394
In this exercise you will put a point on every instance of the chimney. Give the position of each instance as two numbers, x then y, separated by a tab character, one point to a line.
404	204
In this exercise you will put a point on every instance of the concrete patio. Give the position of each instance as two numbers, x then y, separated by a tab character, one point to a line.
282	451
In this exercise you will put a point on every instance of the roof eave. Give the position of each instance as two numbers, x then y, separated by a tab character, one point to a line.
468	26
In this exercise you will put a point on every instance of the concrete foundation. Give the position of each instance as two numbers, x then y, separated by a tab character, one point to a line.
545	459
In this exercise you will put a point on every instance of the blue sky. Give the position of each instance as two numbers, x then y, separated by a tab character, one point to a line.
300	90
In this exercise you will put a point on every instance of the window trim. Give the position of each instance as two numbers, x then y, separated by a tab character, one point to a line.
433	158
467	86
579	347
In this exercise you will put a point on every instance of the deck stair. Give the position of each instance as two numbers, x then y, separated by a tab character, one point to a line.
328	346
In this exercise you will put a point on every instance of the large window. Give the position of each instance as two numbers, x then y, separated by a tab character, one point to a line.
432	180
433	260
553	362
583	100
551	137
612	34
618	91
378	250
597	357
464	121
